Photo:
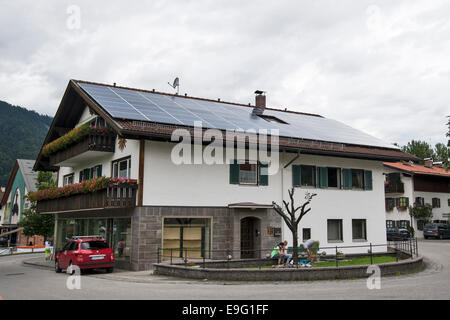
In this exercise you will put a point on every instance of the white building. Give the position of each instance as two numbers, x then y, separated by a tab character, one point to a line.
212	210
409	184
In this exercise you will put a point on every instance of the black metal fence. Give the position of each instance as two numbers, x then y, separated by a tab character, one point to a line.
400	249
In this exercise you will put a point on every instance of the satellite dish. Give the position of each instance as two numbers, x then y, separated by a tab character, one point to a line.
176	84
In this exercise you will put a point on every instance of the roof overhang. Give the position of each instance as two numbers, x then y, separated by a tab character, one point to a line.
249	205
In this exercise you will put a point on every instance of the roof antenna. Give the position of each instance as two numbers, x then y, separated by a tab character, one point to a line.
176	84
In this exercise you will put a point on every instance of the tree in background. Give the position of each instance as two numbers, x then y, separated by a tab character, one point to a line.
423	150
34	223
290	217
420	149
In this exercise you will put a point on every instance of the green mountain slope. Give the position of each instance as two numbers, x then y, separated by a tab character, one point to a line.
21	135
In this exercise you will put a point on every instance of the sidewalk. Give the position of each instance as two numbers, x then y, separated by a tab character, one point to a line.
118	274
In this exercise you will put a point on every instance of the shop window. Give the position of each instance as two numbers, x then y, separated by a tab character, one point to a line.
186	237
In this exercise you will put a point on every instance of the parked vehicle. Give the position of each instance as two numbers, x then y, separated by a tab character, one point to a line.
3	241
436	230
88	252
395	234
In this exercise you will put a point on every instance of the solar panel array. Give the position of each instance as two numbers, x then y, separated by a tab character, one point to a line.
146	106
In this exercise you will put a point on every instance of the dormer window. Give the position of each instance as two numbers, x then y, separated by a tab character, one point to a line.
98	123
269	118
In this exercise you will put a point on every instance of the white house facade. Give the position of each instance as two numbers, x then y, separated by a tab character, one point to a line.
199	210
409	184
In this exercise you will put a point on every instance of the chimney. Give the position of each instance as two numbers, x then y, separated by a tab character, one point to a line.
428	162
438	164
260	99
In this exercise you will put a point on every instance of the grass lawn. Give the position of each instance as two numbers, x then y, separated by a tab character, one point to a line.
355	261
347	262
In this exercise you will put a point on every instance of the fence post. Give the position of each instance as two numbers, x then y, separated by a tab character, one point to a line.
410	248
171	250
371	255
396	252
185	257
204	266
337	263
228	258
417	248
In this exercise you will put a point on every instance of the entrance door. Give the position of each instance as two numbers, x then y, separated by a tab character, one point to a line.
250	238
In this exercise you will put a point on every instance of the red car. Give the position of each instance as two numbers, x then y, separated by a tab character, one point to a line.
88	252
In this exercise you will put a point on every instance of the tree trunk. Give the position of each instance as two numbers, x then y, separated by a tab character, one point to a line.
295	246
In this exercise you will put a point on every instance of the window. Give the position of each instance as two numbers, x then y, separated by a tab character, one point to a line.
334	230
271	118
389	224
334	177
308	176
186	237
420	202
68	179
248	173
306	234
121	168
448	202
436	202
94	245
403	224
357	179
359	230
90	173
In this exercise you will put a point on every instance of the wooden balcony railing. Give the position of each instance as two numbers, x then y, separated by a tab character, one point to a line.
394	187
104	142
111	197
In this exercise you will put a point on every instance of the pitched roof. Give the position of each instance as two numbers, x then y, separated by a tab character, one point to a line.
137	113
30	176
418	169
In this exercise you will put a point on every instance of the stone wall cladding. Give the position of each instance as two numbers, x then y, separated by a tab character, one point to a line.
147	230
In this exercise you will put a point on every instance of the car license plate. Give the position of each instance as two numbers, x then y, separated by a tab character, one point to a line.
98	257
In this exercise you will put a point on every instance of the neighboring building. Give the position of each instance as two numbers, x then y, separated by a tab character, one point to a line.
409	184
21	181
207	209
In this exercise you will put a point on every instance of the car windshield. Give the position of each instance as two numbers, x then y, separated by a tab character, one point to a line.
430	226
94	245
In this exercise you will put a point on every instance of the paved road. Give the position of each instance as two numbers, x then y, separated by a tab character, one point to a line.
18	281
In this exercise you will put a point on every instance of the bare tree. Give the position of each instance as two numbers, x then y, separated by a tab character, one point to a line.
292	219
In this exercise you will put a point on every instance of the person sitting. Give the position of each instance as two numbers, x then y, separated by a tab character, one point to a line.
277	253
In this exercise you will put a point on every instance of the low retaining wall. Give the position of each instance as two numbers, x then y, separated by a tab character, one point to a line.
289	274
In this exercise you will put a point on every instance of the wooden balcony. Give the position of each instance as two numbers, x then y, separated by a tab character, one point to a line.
90	146
109	198
394	187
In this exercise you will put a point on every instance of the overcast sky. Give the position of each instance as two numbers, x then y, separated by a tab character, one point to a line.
379	66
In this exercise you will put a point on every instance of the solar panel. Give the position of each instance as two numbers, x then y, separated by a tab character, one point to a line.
146	106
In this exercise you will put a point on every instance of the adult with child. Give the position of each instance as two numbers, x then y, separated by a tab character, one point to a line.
279	252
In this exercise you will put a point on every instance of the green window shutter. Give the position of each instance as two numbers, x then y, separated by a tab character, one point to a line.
346	179
296	176
99	170
263	174
234	172
81	176
368	180
322	177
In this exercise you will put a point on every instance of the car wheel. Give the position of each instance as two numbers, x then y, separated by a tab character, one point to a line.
72	270
57	268
109	270
425	237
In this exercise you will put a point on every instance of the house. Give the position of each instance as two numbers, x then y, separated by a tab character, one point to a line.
408	184
2	208
21	181
158	193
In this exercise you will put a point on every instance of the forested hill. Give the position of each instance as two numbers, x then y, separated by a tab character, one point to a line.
21	135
